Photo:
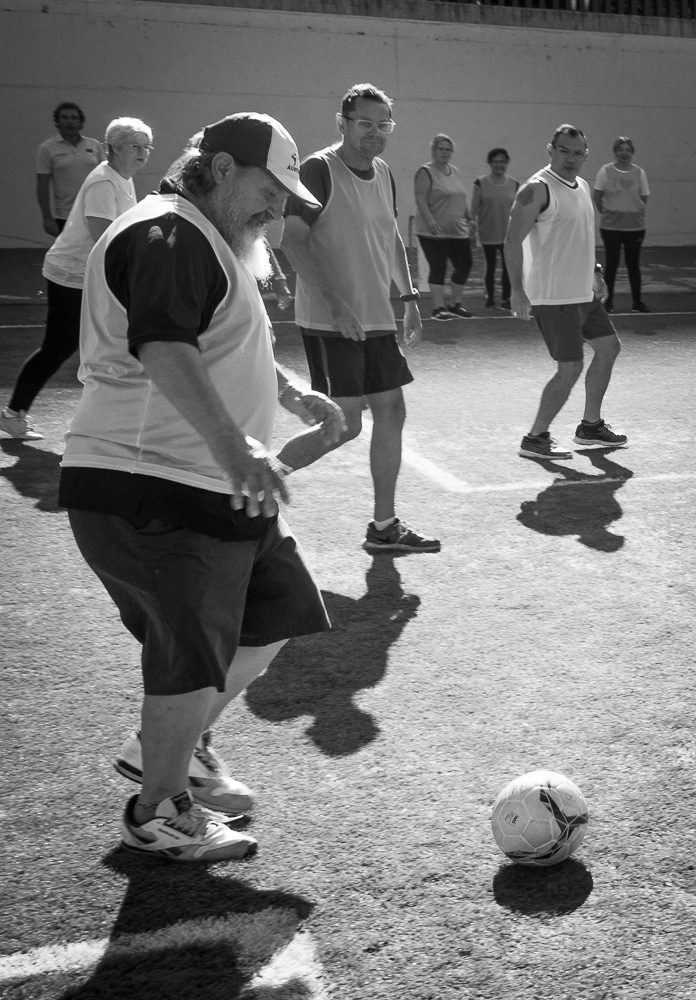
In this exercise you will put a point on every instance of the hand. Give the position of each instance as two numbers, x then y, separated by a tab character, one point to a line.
433	228
256	481
520	305
599	287
51	226
347	321
315	408
282	292
413	327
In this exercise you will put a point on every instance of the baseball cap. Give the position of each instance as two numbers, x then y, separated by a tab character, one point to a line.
261	141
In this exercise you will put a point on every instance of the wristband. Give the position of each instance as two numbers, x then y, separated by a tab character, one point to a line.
412	296
598	269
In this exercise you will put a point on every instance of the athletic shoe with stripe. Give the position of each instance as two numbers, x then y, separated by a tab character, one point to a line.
183	831
442	315
599	434
209	781
398	537
542	446
17	425
460	311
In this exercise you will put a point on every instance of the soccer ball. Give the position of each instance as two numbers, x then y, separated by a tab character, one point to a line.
539	818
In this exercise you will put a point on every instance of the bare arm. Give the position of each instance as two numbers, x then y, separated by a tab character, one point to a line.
295	245
413	328
43	196
421	186
179	373
598	198
529	202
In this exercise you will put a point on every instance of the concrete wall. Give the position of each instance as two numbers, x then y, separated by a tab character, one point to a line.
181	65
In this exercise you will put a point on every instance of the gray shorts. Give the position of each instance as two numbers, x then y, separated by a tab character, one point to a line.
566	328
191	599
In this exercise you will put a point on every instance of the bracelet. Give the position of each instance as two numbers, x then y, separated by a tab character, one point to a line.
599	269
412	296
288	385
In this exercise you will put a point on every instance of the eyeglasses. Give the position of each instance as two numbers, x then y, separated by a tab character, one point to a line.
139	148
365	125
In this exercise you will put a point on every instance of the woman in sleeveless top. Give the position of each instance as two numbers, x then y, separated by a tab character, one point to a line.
490	206
442	226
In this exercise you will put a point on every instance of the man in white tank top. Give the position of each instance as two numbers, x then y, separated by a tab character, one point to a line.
346	256
551	262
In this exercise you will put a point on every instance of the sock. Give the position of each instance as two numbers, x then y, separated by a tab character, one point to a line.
383	525
285	469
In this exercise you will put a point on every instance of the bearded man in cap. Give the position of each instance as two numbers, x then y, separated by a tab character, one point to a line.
170	487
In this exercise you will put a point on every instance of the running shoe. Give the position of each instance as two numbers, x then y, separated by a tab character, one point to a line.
17	425
639	307
398	537
441	314
608	306
599	434
490	303
459	310
505	304
183	831
209	783
542	446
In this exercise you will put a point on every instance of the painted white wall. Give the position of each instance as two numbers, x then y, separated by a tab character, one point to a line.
180	66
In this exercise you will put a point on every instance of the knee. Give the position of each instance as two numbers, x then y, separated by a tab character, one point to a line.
353	427
569	372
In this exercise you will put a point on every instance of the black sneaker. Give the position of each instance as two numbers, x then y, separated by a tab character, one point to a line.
542	446
459	310
398	537
639	307
441	314
599	434
505	304
608	306
490	303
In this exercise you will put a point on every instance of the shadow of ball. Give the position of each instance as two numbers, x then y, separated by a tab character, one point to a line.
542	891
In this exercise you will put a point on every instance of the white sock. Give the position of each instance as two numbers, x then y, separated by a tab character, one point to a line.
383	525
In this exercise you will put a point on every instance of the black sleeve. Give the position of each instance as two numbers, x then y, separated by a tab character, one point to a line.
314	174
167	277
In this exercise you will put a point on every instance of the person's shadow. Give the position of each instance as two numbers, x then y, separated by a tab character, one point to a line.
578	503
185	930
34	474
318	676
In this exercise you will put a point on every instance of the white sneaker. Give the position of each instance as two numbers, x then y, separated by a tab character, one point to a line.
182	831
17	425
209	783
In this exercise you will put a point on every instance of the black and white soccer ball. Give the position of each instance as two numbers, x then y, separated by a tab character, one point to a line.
539	818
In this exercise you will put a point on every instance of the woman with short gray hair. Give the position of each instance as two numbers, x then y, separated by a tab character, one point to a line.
107	192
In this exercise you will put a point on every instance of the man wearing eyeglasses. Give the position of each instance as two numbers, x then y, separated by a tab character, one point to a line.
346	255
550	256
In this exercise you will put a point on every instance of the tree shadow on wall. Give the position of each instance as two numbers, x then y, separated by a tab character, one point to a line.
580	503
319	675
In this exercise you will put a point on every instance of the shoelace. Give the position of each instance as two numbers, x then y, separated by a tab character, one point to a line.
208	758
193	822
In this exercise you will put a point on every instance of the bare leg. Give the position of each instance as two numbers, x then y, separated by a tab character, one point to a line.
306	447
606	350
172	725
389	414
555	394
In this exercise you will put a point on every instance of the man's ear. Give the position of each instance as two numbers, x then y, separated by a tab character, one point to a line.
222	164
339	122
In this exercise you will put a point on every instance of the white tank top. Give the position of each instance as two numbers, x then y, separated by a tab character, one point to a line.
123	421
559	252
356	233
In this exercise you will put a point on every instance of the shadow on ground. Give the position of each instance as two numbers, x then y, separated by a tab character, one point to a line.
228	933
35	473
579	503
319	675
542	892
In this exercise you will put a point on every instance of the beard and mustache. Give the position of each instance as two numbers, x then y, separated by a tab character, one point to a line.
246	237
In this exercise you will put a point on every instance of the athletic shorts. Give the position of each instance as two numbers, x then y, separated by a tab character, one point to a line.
566	328
191	599
342	367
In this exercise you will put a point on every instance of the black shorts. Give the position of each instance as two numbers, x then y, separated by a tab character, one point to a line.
565	328
192	599
341	367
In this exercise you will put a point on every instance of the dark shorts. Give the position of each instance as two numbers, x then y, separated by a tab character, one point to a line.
566	328
191	599
342	367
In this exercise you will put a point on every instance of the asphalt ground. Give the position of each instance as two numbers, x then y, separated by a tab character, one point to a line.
554	629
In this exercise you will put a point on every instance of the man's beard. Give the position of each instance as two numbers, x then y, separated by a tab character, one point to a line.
246	239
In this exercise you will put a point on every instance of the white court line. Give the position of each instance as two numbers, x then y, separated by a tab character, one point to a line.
21	326
260	941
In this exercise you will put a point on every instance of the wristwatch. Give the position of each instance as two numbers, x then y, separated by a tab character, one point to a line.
412	296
